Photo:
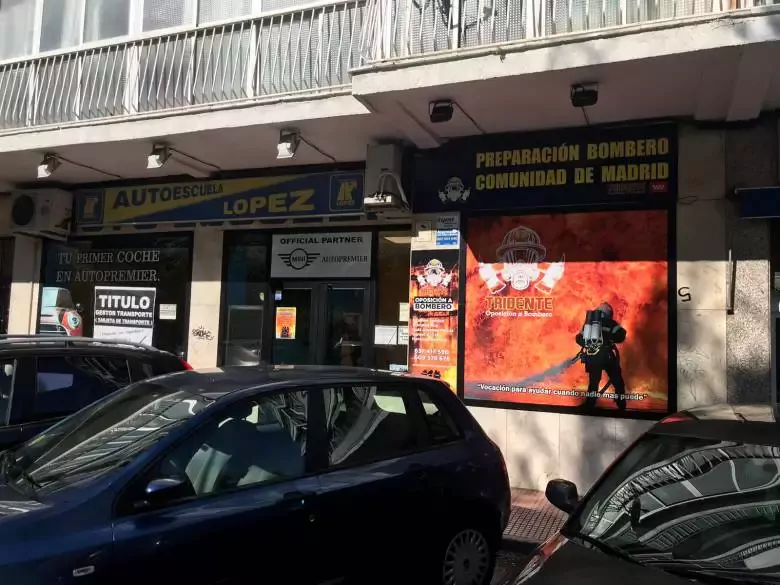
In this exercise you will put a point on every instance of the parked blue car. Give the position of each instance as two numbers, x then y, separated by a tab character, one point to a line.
239	475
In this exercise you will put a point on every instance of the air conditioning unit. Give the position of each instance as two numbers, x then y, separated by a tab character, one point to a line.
384	193
42	213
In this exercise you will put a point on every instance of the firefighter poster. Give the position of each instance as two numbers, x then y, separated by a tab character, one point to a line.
124	313
286	319
433	314
568	310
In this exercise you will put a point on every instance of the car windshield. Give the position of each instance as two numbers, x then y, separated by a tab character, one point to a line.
696	507
106	434
56	298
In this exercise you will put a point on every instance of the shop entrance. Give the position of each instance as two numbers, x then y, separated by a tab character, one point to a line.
327	323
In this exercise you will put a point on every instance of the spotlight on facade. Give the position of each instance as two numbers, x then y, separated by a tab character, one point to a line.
158	157
440	111
584	95
288	144
48	165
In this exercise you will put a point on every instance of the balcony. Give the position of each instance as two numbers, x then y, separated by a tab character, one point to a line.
509	64
402	29
280	55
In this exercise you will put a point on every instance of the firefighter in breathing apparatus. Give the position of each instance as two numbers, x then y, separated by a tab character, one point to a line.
598	339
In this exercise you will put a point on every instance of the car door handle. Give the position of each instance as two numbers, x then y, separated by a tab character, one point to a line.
419	471
296	499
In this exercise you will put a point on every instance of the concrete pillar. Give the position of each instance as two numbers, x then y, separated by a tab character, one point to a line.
205	297
751	161
25	285
701	268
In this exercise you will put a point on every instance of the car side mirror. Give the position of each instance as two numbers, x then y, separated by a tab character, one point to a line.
166	489
562	494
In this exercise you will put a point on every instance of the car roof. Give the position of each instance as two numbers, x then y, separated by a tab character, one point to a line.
749	423
218	382
11	342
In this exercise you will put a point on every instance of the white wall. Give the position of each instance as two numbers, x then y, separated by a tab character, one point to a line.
205	296
23	314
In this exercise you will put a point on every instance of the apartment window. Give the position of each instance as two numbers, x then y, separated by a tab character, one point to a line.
161	14
215	10
16	28
106	19
61	24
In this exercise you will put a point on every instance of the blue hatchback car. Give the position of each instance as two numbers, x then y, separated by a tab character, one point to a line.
247	475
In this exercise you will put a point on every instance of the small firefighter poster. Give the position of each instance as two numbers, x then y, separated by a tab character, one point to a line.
285	322
568	310
433	314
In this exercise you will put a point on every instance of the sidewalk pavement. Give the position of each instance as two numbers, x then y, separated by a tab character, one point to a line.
533	520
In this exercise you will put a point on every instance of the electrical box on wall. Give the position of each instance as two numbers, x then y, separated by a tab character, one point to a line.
384	192
42	213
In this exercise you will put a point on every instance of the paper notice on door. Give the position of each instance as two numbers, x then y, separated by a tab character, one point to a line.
385	335
403	335
403	312
167	312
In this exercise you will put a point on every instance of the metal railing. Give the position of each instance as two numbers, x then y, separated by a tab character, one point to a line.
308	50
398	29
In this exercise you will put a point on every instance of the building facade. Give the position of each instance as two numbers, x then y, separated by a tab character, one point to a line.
217	154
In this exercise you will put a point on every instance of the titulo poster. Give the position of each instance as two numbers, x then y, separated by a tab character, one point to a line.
568	310
433	314
124	313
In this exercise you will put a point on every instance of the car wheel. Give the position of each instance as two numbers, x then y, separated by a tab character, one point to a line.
468	557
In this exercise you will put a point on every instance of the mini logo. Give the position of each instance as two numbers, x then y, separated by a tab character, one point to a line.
454	191
299	258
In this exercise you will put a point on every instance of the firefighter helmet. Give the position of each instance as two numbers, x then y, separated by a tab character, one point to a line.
606	309
434	272
521	245
434	267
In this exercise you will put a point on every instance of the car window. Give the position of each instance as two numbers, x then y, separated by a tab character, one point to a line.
65	384
367	423
148	368
687	504
441	427
255	442
107	433
7	369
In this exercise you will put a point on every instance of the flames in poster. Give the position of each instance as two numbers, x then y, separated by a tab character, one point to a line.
568	310
433	314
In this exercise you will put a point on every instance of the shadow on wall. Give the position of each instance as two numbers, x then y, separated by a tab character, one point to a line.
544	446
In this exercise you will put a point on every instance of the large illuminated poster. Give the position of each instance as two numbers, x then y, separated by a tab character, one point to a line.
568	310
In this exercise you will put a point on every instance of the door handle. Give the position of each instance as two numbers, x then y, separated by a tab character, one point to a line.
296	499
419	471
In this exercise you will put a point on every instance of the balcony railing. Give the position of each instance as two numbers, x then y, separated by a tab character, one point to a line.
397	29
301	52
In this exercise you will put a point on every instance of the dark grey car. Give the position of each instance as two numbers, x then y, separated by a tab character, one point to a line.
696	498
44	378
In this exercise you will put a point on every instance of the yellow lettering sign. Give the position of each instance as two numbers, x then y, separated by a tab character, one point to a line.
293	202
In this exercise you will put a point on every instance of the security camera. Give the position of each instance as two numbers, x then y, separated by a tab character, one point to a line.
584	95
440	111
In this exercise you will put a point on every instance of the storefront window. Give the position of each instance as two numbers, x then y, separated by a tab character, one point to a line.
244	298
391	331
129	288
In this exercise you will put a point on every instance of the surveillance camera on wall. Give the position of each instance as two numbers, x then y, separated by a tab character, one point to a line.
584	95
440	111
